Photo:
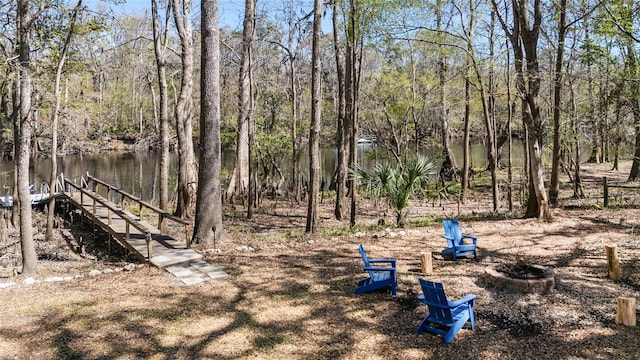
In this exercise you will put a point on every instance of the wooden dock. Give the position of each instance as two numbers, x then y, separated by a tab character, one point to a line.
148	242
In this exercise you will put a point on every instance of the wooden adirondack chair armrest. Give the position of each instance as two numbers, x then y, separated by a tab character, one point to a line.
390	261
450	241
473	238
370	268
467	299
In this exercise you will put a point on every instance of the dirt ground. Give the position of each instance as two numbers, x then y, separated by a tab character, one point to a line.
290	295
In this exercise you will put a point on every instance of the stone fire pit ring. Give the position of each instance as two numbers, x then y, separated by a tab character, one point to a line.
541	285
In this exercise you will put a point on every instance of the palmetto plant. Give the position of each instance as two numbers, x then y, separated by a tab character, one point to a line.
397	184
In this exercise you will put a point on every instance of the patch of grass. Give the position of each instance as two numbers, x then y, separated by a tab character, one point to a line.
423	222
295	233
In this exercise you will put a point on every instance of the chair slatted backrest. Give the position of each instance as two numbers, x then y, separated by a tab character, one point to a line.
452	231
436	300
367	264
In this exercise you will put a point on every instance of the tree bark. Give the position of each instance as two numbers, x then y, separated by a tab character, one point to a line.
466	154
492	128
353	54
449	165
554	189
208	221
239	182
24	23
524	39
187	175
577	180
343	125
160	49
316	118
634	100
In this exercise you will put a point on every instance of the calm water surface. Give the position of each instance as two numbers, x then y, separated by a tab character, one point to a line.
137	173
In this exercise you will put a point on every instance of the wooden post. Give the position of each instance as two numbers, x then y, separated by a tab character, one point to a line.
606	191
3	228
613	264
626	311
162	223
127	232
186	236
149	247
427	263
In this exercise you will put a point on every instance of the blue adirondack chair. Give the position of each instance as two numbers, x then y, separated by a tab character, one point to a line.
379	276
456	246
450	315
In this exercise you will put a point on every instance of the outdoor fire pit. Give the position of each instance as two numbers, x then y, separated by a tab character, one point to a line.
521	277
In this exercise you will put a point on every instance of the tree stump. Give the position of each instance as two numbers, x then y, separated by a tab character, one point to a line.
626	311
426	263
613	264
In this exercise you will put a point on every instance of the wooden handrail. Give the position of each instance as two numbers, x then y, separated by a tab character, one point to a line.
110	207
162	214
134	198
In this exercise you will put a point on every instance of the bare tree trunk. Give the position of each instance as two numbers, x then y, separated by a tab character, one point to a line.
15	209
524	38
208	222
29	257
492	147
634	101
487	99
617	138
343	124
295	180
449	165
187	176
316	118
554	189
154	105
577	180
251	174
239	182
466	156
160	49
487	109
510	108
54	123
351	94
594	157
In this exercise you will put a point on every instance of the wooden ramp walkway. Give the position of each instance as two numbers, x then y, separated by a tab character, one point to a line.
148	242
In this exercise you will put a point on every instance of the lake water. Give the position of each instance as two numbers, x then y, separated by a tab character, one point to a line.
137	173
